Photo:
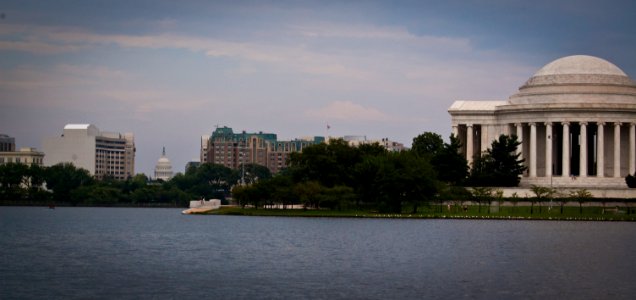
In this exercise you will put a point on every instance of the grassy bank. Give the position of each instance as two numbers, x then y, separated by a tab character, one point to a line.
472	212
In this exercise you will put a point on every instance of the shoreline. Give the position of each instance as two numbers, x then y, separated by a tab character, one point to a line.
536	216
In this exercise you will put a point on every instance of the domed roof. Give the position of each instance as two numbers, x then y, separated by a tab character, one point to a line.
577	79
579	65
163	169
163	161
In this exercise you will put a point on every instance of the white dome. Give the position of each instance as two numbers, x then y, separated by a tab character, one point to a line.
577	79
580	65
163	169
163	161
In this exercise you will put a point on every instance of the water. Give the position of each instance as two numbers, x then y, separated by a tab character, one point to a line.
132	253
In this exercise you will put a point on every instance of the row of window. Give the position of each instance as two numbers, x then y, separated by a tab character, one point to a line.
24	160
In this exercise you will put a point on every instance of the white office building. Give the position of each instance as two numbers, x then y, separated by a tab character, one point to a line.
85	146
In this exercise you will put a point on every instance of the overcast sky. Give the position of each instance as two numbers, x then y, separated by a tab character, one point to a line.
170	71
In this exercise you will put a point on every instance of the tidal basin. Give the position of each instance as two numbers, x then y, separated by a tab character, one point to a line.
136	253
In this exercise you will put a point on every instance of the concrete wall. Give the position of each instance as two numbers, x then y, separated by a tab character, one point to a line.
213	203
75	148
624	193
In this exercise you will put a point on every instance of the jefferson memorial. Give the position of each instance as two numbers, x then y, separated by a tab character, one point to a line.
575	118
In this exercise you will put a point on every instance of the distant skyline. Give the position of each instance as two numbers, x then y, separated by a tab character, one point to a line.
171	71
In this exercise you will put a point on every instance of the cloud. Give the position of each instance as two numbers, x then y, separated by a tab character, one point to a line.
348	111
379	33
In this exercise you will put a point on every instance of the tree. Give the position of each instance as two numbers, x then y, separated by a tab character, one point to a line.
12	176
541	194
403	178
427	144
500	165
581	196
308	193
450	165
329	164
207	181
482	194
255	172
63	178
336	197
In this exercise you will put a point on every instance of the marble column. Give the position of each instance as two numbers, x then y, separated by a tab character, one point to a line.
617	149
484	138
583	150
469	144
566	149
632	148
455	131
600	150
520	140
548	149
533	150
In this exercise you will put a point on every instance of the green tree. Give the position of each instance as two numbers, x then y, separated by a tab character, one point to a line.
145	194
95	195
541	194
308	193
451	166
336	197
500	165
581	196
403	178
207	181
63	178
12	176
255	172
427	144
482	195
367	173
330	164
254	194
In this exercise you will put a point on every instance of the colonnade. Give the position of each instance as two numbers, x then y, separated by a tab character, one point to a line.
583	149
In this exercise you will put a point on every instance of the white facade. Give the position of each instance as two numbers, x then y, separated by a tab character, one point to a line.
576	120
203	155
101	153
357	140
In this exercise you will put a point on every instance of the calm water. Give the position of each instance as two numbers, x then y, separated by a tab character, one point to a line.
159	253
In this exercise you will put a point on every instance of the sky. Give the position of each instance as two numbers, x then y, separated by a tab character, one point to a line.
171	71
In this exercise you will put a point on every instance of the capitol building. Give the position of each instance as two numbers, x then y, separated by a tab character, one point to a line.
163	169
575	117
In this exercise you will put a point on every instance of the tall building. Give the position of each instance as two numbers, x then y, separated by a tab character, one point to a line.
575	118
101	153
7	143
163	169
231	149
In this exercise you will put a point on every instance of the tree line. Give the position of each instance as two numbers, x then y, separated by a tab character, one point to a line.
330	175
339	176
66	184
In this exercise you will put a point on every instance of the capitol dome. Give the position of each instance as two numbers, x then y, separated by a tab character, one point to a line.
163	169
